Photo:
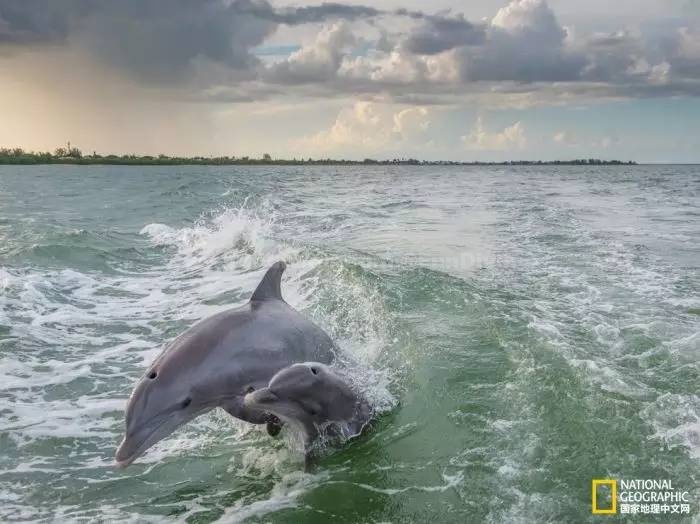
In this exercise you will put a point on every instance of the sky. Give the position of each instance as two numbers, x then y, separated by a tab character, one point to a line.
478	80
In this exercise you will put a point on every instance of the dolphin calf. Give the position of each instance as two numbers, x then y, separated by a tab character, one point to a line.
216	362
315	400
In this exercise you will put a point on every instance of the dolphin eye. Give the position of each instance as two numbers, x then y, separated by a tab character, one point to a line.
249	389
186	402
314	370
152	375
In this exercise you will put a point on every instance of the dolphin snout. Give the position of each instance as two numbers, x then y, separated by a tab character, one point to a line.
125	454
139	439
260	397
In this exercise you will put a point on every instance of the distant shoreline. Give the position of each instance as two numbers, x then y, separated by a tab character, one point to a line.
74	156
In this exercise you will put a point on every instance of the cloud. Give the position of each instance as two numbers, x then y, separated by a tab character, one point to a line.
153	39
370	127
436	35
509	138
32	21
528	52
565	138
318	61
533	17
522	53
160	40
315	13
526	44
684	58
398	70
522	43
410	120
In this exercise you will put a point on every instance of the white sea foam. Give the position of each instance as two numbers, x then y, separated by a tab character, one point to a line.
570	304
676	421
74	334
241	234
600	313
284	494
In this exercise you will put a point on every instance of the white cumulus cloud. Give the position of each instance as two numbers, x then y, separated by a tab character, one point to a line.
368	126
510	138
318	61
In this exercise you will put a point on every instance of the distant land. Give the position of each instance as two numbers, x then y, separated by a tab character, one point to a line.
73	155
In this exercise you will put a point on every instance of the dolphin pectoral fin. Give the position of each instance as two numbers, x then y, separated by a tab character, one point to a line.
270	287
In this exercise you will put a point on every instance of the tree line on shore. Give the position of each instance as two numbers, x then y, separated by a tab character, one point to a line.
73	155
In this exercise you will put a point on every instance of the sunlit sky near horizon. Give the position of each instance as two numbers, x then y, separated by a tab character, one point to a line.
524	79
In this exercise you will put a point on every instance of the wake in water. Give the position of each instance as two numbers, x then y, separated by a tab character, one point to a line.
85	336
540	326
232	250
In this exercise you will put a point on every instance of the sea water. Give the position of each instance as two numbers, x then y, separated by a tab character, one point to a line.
520	330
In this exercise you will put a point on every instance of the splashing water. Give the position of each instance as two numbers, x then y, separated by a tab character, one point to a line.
519	331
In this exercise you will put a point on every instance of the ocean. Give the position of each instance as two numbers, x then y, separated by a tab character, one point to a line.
524	330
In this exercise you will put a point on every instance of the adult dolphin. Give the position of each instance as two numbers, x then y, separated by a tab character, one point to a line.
216	362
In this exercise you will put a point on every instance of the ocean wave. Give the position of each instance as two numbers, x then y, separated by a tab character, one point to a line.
77	340
574	345
242	235
675	420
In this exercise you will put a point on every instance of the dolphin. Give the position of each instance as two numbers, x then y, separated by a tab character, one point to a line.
315	400
216	362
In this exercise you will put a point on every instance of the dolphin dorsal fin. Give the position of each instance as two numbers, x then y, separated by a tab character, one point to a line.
270	285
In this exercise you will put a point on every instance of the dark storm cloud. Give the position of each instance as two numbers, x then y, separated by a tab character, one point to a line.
436	35
23	21
33	21
154	39
159	39
317	13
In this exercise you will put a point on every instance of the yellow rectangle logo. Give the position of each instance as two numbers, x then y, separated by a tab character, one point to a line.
595	483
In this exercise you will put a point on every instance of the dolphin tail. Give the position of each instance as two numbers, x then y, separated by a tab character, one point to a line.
270	285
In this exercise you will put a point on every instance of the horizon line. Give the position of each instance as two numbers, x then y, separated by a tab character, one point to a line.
74	156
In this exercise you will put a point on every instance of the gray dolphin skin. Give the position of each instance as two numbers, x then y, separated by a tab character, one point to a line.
216	362
315	399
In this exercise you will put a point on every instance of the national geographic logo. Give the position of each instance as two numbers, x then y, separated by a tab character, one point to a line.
638	496
612	496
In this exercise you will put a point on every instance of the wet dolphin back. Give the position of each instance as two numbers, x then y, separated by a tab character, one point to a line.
301	337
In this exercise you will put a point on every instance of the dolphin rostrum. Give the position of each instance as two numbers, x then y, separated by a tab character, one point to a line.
216	362
314	399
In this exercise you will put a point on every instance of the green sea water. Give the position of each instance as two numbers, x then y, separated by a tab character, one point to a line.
526	329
